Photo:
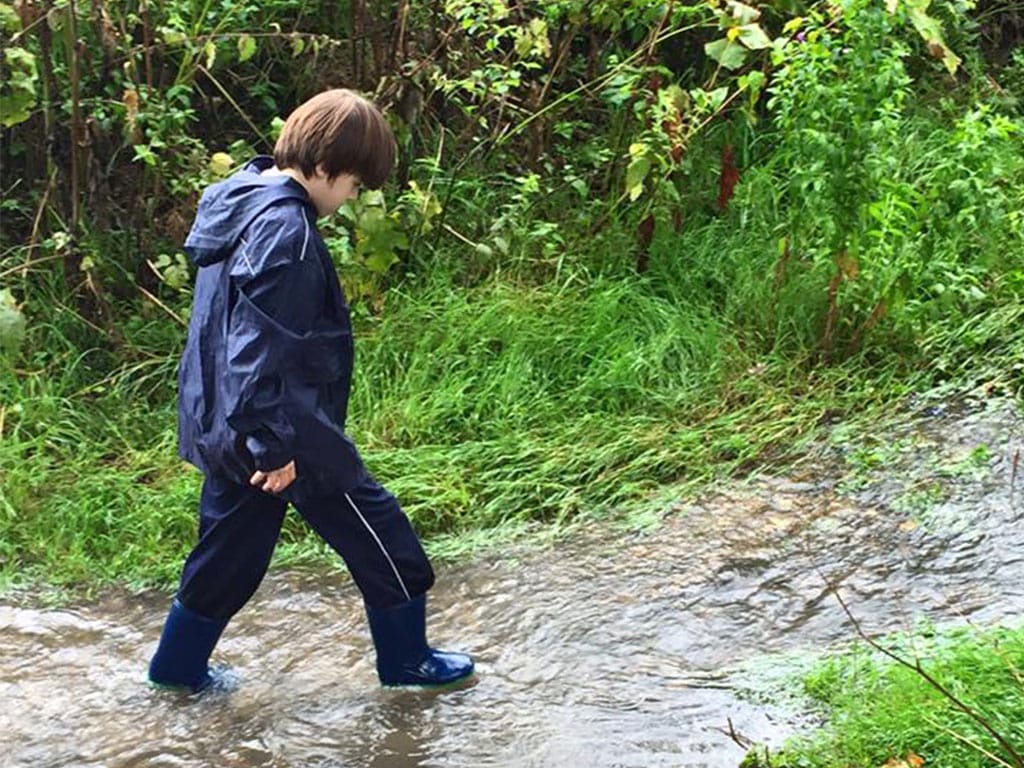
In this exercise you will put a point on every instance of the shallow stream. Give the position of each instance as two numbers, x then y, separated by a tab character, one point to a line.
618	646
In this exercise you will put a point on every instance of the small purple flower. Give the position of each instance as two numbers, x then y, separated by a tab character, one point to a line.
801	37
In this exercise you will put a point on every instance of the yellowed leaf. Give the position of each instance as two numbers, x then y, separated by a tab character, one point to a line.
848	265
912	760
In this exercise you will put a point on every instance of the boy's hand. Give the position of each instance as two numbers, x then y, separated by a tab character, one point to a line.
276	480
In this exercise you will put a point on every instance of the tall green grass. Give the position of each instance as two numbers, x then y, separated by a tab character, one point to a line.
481	407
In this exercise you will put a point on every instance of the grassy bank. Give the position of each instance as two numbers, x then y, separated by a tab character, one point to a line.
484	408
883	713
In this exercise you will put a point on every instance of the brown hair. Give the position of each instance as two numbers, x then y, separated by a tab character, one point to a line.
343	132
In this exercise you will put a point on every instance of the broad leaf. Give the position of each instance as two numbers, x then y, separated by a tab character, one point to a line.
752	36
930	29
727	53
12	323
743	13
636	172
210	51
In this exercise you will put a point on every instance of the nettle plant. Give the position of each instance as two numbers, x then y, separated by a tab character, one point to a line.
868	190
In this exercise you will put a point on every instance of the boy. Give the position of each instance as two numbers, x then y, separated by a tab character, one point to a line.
263	393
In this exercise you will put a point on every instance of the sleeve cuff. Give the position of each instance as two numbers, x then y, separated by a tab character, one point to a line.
267	452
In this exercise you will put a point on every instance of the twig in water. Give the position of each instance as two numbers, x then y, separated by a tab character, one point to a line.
747	744
739	738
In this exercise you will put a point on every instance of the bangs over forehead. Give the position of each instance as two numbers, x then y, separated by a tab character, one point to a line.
343	132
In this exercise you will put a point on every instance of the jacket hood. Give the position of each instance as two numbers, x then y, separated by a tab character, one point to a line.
228	207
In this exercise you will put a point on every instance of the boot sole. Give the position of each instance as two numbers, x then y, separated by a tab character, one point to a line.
466	681
181	690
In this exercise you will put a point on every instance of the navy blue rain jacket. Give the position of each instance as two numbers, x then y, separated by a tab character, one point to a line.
266	371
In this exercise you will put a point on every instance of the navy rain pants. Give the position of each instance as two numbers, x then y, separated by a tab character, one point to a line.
239	526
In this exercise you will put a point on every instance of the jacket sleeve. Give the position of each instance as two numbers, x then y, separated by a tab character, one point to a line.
275	308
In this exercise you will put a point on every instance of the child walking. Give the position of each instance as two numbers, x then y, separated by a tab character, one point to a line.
263	392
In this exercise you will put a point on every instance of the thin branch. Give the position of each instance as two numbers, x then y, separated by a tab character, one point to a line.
33	240
234	104
1015	465
451	230
1018	761
563	53
32	263
77	129
163	306
739	738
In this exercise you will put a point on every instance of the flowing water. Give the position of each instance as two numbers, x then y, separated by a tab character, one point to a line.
615	647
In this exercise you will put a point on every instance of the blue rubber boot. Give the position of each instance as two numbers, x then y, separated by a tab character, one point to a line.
181	659
403	656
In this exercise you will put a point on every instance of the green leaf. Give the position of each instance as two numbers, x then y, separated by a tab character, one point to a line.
379	236
793	25
276	126
727	53
220	163
18	93
636	172
9	21
709	101
718	97
55	18
246	48
677	96
12	323
752	36
298	45
743	13
753	81
172	36
210	51
145	154
581	188
930	30
381	261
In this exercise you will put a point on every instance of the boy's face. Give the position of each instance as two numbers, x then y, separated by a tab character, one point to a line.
329	196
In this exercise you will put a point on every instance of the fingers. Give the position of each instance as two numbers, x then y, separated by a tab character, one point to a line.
274	481
265	481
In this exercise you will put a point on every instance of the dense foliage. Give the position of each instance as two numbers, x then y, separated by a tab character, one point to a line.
628	242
